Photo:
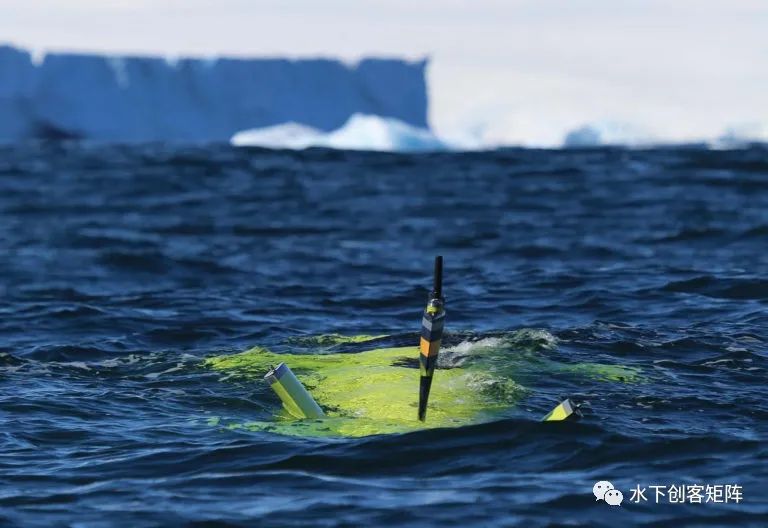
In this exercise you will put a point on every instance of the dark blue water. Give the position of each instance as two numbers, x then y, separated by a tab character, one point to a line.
123	268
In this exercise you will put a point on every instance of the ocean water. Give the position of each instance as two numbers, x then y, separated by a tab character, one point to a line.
124	268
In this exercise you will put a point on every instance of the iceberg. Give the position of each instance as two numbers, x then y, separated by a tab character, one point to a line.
741	135
360	132
138	99
369	132
607	133
292	135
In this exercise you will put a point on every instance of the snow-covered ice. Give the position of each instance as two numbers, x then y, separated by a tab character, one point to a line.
113	98
360	132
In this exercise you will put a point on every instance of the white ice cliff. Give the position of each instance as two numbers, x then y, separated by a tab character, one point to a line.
152	99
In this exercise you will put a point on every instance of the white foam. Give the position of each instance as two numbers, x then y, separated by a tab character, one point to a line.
532	337
456	355
468	347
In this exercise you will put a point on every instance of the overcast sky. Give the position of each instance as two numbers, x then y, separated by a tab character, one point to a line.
515	71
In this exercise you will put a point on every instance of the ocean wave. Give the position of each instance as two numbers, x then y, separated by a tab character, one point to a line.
722	288
106	401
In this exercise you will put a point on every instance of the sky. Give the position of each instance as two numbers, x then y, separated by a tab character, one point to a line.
501	71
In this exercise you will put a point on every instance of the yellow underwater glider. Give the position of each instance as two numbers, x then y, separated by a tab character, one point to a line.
374	391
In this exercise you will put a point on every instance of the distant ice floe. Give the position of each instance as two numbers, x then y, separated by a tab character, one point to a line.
286	136
608	133
611	133
360	132
742	134
376	133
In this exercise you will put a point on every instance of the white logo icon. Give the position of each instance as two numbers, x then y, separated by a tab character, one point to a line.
614	497
600	488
